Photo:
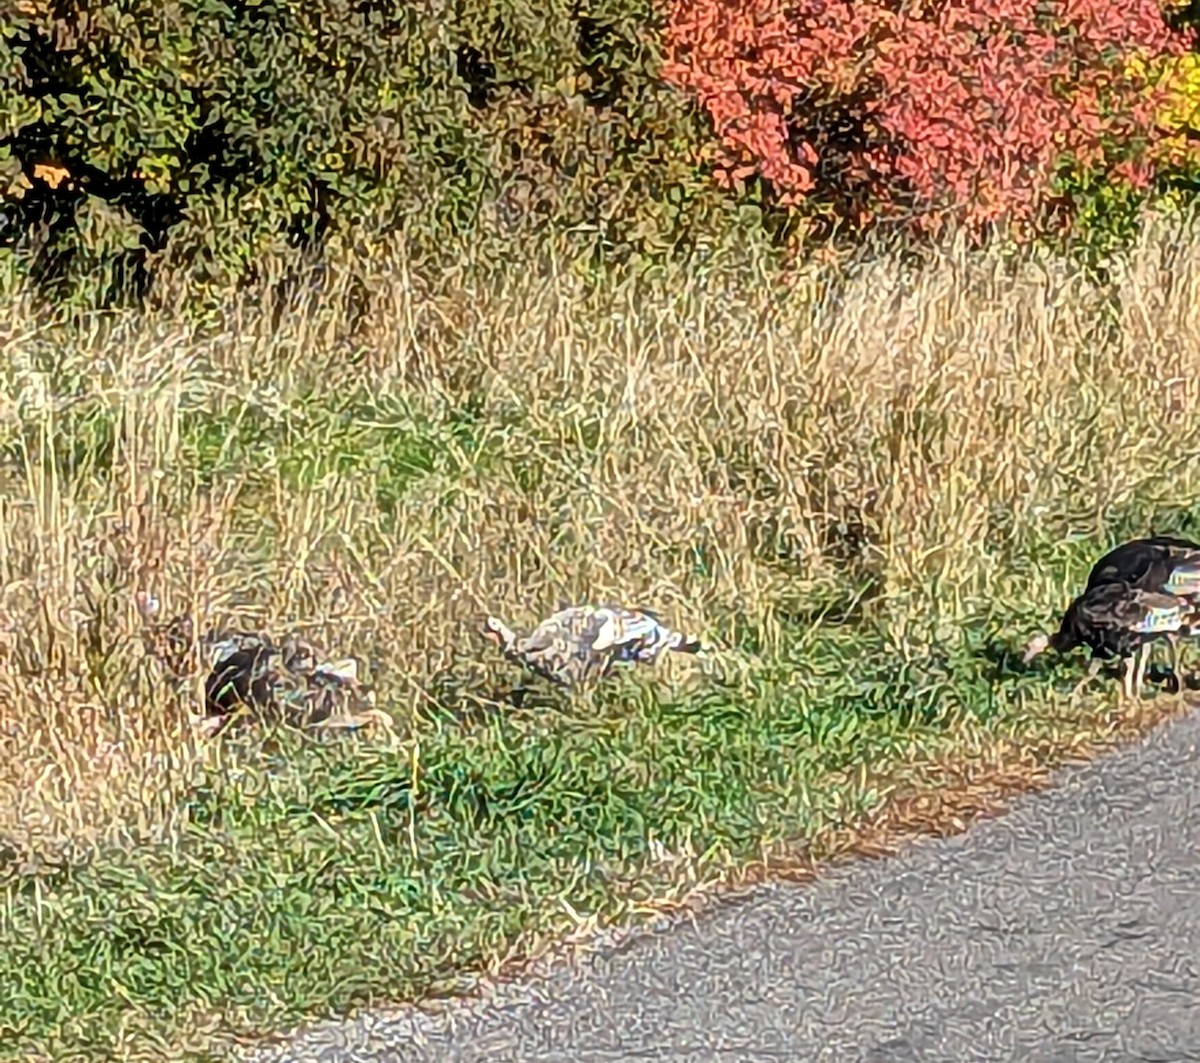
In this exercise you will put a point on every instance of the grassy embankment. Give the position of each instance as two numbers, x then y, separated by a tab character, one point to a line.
861	488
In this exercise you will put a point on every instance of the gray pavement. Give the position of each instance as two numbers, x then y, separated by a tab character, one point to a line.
1065	931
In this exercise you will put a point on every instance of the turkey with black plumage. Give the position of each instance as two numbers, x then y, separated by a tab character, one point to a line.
1118	620
1138	593
1159	563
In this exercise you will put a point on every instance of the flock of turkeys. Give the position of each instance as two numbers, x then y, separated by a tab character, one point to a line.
1138	593
286	680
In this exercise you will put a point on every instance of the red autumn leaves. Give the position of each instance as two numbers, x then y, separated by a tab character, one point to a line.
962	109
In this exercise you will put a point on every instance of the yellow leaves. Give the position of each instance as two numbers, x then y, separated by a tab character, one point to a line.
52	173
1177	80
1183	86
156	171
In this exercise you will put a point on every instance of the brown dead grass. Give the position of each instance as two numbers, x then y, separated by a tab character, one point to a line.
947	419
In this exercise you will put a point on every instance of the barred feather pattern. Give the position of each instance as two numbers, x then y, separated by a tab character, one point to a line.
282	680
1138	591
582	643
1116	620
1141	591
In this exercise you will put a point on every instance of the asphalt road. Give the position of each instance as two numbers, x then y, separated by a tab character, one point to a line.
1066	930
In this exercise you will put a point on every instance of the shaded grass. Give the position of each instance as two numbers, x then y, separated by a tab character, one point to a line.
866	489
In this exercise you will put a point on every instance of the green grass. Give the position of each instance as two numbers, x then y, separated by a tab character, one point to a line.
866	507
315	878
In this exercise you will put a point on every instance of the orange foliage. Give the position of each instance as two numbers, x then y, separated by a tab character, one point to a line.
960	109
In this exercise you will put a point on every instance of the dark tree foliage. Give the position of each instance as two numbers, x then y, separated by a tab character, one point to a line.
140	133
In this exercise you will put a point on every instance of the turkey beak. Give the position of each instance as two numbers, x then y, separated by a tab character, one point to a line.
1037	645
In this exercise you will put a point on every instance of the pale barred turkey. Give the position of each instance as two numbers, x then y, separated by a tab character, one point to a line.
1138	593
582	643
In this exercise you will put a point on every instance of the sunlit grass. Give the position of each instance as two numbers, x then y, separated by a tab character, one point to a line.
865	489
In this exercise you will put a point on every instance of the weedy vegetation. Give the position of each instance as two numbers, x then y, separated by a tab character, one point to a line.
865	486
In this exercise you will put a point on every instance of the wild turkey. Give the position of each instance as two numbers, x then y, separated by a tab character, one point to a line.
582	643
1159	564
282	681
1117	619
274	681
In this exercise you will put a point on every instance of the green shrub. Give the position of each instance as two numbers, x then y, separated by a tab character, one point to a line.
216	136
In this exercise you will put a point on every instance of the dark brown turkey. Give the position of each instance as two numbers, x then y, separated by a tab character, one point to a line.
1138	593
250	671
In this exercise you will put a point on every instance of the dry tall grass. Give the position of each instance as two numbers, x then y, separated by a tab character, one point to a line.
712	443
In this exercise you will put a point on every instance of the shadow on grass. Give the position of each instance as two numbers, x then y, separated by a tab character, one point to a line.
1007	662
460	699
